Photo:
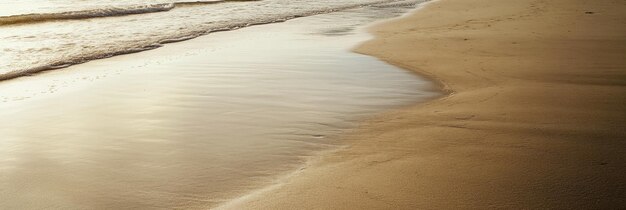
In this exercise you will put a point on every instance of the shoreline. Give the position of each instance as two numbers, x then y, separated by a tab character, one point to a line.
438	87
208	120
509	133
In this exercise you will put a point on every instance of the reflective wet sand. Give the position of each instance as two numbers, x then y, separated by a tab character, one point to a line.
194	123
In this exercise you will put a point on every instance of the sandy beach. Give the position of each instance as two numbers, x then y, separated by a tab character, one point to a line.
534	118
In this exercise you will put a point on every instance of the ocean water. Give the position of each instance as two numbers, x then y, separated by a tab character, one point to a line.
38	35
192	124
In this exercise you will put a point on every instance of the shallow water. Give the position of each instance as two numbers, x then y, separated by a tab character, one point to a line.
194	123
56	33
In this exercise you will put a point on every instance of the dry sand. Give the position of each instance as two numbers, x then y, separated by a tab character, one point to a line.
534	119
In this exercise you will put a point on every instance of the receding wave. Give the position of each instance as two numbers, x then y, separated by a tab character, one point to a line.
180	35
72	61
194	3
103	12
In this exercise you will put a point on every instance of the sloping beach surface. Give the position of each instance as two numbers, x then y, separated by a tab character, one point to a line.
534	120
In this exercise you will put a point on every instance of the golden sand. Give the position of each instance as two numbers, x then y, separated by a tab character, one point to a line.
534	119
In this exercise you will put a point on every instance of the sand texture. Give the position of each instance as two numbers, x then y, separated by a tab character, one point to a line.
534	119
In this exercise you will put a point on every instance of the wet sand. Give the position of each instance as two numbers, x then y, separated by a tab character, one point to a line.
194	123
534	118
